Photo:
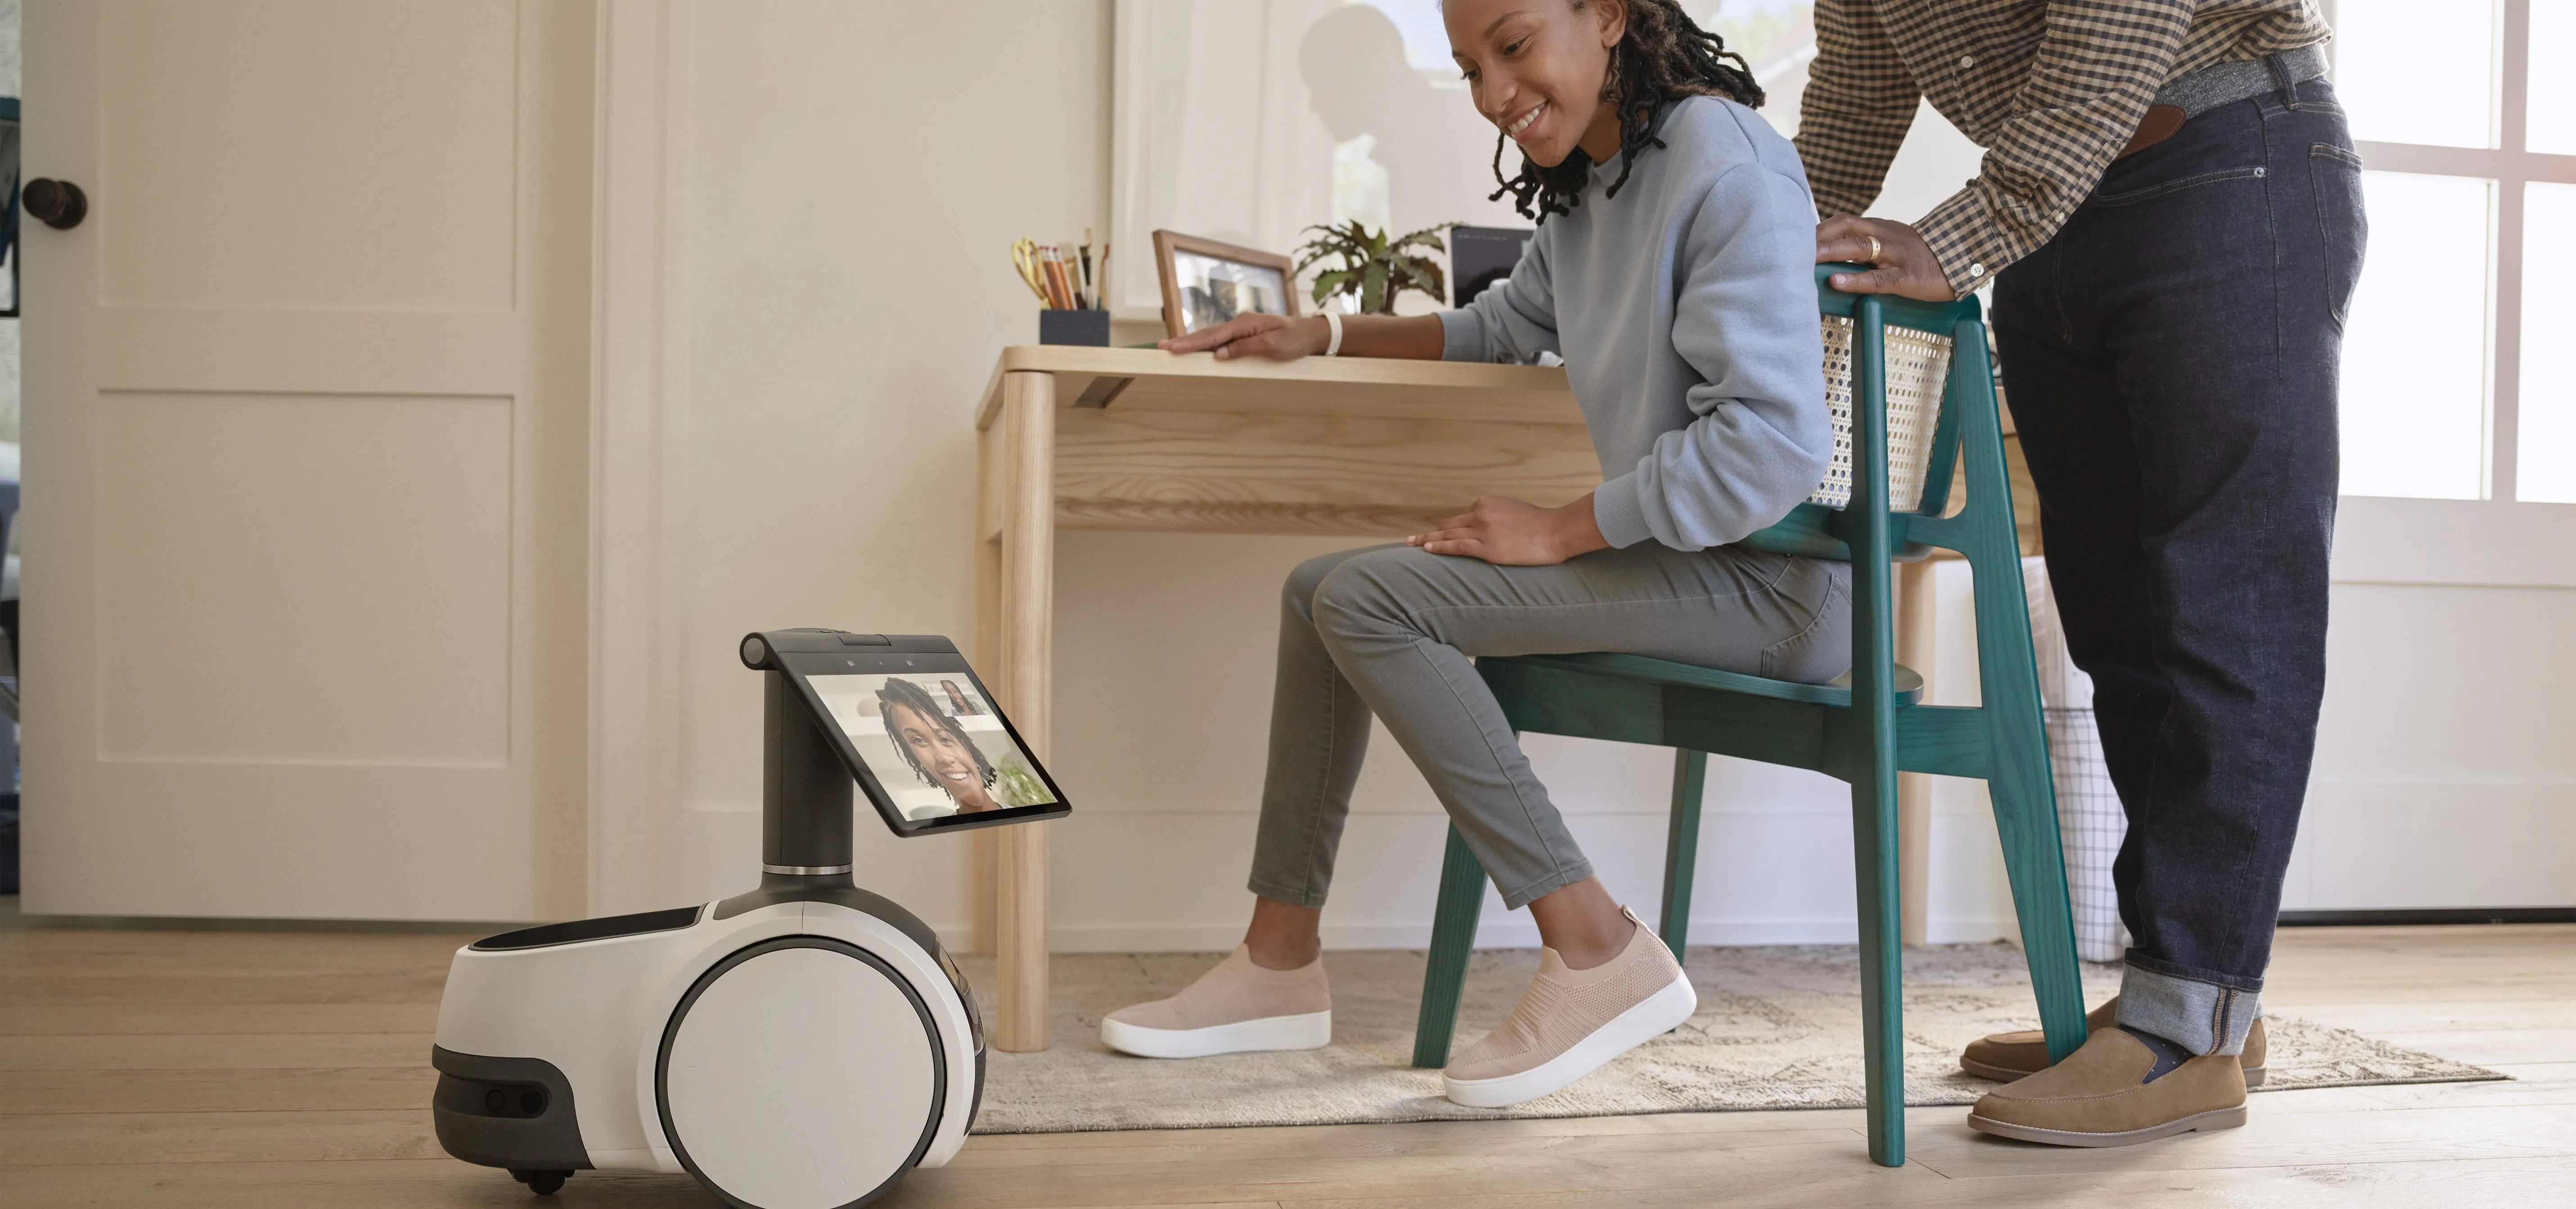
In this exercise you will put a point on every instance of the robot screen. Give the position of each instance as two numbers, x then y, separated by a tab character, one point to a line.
934	741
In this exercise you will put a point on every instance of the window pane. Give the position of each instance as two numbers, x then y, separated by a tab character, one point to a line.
2415	344
2546	469
2418	71
2552	107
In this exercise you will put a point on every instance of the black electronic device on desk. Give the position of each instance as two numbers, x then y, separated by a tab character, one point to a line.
1481	256
802	1044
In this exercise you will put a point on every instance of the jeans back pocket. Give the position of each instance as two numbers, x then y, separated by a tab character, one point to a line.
2343	229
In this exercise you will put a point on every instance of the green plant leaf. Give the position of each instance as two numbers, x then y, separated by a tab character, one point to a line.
1374	299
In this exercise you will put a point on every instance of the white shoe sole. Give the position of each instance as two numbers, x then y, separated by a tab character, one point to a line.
1311	1031
1660	1013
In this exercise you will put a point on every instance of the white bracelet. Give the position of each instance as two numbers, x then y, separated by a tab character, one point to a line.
1333	320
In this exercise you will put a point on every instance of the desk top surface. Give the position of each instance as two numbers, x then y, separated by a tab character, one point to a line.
1147	378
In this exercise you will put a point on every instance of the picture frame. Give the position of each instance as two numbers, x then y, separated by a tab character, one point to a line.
1206	282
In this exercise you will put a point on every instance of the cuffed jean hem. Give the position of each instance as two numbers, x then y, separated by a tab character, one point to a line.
1521	896
1312	900
2201	1017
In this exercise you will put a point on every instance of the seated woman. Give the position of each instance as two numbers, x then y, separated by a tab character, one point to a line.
1673	271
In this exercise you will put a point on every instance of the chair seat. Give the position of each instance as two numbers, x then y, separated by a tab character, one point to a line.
1835	693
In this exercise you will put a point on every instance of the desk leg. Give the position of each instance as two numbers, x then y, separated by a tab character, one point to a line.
1915	627
1020	623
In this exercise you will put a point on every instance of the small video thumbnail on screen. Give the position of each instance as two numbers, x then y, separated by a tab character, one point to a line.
934	742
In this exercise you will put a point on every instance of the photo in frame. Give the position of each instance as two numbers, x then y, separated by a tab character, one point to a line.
1206	282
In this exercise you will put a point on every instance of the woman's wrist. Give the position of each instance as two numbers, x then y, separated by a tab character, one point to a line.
1576	530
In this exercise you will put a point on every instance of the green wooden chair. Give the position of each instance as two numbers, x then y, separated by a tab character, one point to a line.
1862	728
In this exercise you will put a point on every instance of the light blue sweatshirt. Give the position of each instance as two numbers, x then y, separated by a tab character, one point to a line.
1685	310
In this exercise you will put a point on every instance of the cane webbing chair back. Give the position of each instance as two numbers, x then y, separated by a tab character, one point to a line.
1918	373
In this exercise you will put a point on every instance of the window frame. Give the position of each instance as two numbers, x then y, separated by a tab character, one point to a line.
2512	167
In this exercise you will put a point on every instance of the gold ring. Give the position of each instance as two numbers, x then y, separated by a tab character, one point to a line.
1874	247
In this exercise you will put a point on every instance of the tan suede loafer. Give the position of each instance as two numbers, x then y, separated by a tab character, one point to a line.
2100	1096
2004	1057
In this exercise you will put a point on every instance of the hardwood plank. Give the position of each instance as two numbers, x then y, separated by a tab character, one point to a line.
284	988
1607	1163
91	1139
217	1090
2485	1131
2482	1046
144	1067
436	1183
2444	1016
441	1183
215	1052
2532	1083
2457	1182
62	1020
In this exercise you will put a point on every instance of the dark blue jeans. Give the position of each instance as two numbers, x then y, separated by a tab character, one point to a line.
2170	359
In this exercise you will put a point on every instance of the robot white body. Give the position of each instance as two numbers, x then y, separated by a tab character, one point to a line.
800	1046
802	1074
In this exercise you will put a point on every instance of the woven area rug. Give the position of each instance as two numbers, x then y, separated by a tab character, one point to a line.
1777	1027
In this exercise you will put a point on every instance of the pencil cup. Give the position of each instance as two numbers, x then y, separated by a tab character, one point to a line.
1074	327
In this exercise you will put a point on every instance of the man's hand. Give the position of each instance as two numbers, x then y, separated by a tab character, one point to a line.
1277	337
1906	266
1516	533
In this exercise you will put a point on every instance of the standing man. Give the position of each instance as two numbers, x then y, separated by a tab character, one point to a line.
2170	210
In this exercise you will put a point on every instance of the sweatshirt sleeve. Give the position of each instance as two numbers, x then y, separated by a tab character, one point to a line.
1513	321
1745	318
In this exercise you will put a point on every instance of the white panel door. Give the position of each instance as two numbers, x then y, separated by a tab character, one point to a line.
307	459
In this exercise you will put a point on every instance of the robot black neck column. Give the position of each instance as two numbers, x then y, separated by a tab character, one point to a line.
804	792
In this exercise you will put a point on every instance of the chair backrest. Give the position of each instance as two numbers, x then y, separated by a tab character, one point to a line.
1912	343
1918	371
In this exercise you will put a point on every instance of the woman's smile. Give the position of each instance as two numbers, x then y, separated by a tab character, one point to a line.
1520	125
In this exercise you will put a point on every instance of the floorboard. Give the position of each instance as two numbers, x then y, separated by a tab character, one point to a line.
288	1069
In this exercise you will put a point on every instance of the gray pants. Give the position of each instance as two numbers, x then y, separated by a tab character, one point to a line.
1392	630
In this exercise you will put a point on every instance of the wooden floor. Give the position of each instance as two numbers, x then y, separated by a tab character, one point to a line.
282	1069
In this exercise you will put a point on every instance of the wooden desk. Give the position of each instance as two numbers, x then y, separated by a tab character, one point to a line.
1139	439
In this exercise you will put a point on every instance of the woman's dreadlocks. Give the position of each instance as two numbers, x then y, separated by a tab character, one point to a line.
1663	57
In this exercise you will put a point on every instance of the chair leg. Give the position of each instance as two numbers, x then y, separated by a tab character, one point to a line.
2035	863
1681	848
1882	974
2016	737
1453	937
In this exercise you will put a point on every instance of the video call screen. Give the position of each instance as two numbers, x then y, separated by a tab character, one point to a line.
933	742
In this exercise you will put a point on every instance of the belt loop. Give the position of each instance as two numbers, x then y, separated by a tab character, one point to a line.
2281	81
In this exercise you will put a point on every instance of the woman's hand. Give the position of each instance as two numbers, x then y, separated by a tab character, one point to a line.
1906	266
1277	337
1516	533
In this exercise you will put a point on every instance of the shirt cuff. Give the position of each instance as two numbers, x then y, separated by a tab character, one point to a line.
1462	336
1618	512
1965	243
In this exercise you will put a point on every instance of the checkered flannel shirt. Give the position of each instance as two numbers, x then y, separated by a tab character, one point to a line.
2052	91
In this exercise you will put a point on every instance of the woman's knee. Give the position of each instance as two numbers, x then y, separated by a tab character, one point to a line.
1365	591
1306	581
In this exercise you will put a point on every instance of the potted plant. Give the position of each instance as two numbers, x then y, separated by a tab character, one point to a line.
1375	269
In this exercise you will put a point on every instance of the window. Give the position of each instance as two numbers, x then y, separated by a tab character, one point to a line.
2472	164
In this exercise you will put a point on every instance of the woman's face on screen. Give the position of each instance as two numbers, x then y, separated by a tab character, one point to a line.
942	753
1536	67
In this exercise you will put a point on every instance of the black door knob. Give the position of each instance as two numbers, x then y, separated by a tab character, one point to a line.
58	204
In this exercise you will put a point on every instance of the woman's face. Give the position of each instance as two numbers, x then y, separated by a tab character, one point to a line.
947	758
1535	68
